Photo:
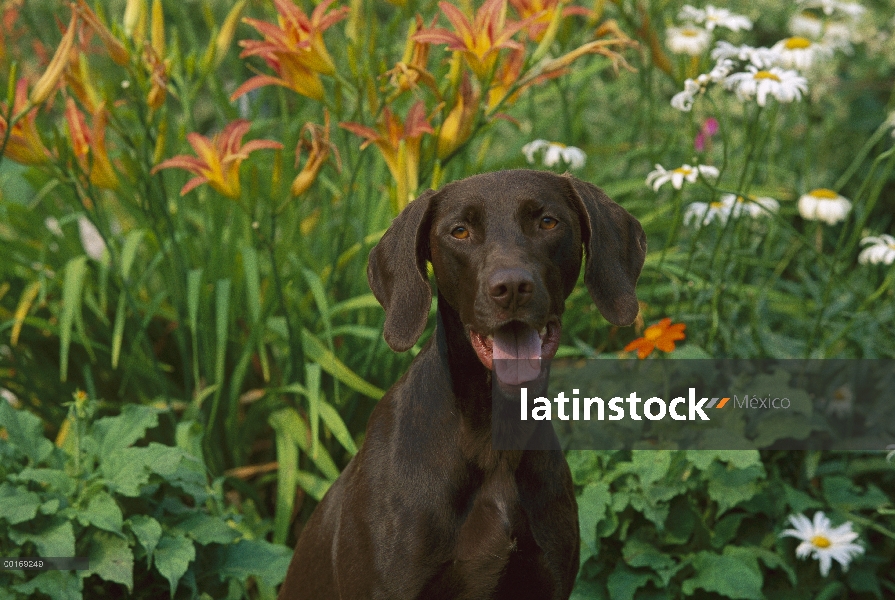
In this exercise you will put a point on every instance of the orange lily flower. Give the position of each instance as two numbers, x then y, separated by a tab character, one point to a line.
479	41
539	13
411	70
399	145
320	147
457	126
116	49
90	145
662	335
24	145
294	49
58	64
218	159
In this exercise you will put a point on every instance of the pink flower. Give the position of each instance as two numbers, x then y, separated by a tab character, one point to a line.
709	129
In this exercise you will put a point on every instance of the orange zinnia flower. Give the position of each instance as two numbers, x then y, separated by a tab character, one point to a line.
294	49
90	145
481	40
662	335
24	145
399	144
218	159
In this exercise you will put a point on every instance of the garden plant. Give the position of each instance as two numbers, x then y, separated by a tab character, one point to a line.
189	350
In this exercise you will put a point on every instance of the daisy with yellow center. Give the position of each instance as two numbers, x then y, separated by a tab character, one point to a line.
660	176
880	251
662	335
800	52
784	85
824	205
703	213
689	40
823	542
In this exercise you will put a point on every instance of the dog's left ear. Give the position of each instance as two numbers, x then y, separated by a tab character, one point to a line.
616	247
397	275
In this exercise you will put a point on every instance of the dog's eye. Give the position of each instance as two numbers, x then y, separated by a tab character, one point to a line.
548	223
461	233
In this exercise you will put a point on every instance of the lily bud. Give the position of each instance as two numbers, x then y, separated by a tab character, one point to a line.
50	79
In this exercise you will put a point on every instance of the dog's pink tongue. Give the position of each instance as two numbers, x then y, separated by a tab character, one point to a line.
517	354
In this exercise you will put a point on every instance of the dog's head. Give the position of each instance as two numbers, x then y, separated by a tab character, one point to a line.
506	249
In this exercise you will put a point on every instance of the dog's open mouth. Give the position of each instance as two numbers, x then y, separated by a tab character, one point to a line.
514	351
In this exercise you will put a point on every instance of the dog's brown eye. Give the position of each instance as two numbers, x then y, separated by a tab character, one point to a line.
548	223
461	233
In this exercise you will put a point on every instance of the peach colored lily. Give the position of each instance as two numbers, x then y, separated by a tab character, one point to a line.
218	159
89	146
24	145
479	41
293	48
412	68
539	13
399	144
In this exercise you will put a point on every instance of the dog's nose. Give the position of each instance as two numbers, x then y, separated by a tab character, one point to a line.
511	288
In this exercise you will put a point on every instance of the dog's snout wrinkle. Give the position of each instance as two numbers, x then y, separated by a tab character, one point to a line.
511	288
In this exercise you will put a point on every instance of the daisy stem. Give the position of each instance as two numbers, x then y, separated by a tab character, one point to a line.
675	226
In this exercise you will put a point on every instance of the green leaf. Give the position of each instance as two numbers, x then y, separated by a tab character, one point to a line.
650	465
315	350
17	505
287	468
129	250
290	422
25	431
102	512
592	504
313	485
147	531
741	459
356	303
119	432
729	486
72	290
724	575
118	330
207	529
253	282
639	553
172	558
255	558
623	582
57	538
112	559
58	585
337	426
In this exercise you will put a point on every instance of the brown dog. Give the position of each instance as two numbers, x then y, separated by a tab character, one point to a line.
429	509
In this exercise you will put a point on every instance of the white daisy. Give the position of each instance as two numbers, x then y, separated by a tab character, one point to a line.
851	9
841	402
554	153
823	542
752	206
806	24
784	85
714	17
880	251
824	205
683	101
690	40
661	176
800	52
703	213
838	36
761	57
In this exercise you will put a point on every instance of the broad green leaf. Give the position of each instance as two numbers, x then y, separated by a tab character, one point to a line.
58	585
729	486
592	504
207	529
112	559
624	582
147	530
255	558
56	538
701	459
72	292
102	512
172	558
17	505
119	432
315	350
650	465
25	431
639	553
728	576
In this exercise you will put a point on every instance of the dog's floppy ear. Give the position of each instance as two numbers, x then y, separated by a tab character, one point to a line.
397	274
616	247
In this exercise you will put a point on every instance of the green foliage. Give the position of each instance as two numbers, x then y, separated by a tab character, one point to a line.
706	524
145	514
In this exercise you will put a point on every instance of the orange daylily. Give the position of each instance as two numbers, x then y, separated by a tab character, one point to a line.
399	144
320	147
58	64
218	159
540	12
24	145
89	146
662	335
479	41
294	49
457	126
411	69
116	49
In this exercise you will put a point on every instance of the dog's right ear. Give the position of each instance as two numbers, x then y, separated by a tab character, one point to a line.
397	274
